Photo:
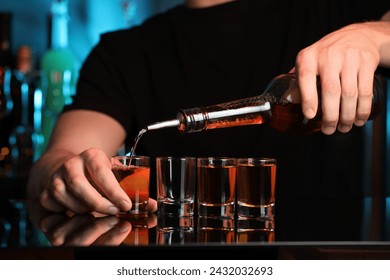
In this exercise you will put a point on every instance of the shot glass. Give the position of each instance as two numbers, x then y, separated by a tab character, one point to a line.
216	186
133	175
256	179
176	181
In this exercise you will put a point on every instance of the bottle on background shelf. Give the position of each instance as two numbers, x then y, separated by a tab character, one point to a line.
58	69
22	136
6	103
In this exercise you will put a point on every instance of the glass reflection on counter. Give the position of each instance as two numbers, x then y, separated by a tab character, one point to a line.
25	224
96	230
219	230
255	230
175	230
139	234
32	225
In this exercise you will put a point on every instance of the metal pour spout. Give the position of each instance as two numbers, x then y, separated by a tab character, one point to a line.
164	124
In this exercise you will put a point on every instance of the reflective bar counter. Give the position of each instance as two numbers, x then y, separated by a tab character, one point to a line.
319	228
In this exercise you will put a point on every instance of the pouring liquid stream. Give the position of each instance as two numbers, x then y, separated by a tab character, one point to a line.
164	124
136	140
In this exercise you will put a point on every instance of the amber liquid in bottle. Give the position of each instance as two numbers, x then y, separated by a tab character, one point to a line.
289	118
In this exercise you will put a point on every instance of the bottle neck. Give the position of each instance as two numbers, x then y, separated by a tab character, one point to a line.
246	111
59	24
59	32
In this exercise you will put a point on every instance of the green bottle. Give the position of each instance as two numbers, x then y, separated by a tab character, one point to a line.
58	70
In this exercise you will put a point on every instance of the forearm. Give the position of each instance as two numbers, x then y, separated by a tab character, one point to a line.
79	130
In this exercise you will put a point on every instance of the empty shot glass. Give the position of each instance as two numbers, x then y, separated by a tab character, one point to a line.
133	175
216	186
256	179
176	181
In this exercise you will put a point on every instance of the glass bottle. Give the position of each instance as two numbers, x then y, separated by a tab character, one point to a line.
279	106
58	69
6	102
5	65
21	138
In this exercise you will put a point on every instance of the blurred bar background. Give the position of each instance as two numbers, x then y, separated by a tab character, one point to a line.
88	19
43	44
30	26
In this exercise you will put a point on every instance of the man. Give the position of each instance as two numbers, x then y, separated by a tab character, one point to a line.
207	52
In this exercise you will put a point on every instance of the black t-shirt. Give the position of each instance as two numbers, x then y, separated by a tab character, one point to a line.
186	58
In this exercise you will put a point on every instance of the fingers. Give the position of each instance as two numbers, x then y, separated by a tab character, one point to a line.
49	203
349	99
311	63
152	205
85	183
77	185
345	62
330	98
71	191
346	100
365	88
99	168
58	198
307	80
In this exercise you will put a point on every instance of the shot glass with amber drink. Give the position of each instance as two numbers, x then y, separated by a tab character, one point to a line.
133	175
